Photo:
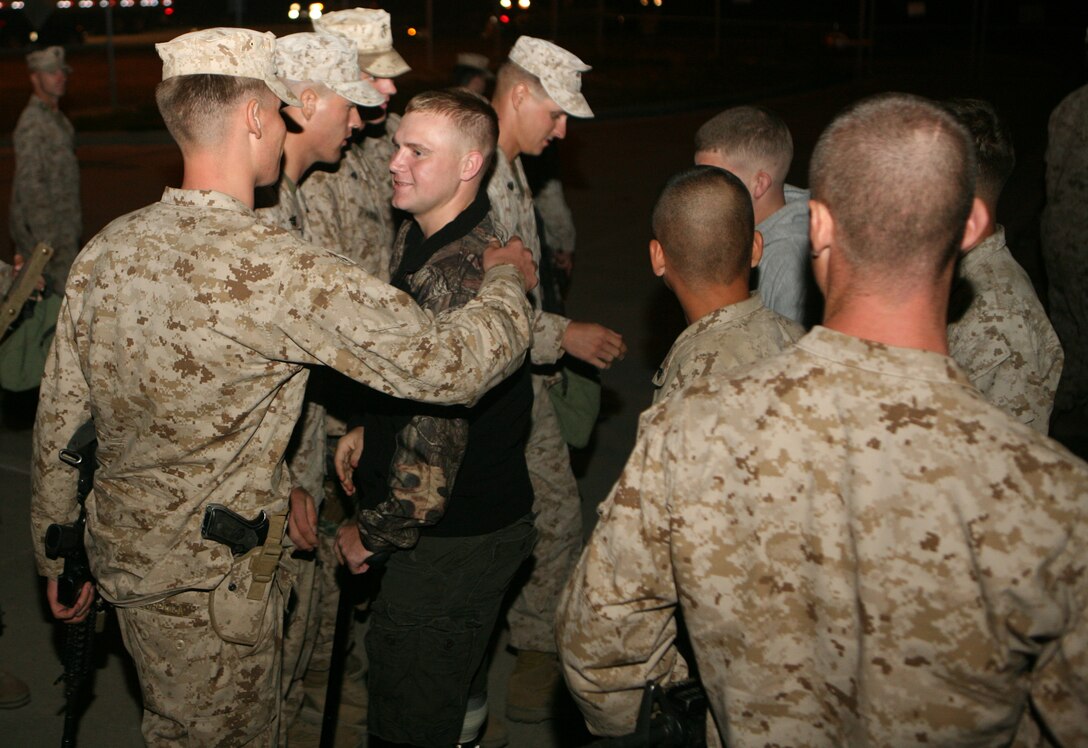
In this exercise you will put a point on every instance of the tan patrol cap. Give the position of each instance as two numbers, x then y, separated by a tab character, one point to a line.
241	53
327	59
559	71
48	60
370	31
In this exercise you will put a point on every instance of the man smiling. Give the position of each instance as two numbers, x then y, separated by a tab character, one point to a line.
446	491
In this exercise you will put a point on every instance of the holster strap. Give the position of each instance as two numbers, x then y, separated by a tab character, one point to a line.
264	564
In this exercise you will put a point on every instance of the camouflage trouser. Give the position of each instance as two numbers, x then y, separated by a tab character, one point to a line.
197	688
558	510
299	634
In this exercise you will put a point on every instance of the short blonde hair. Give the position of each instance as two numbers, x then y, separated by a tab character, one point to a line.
192	106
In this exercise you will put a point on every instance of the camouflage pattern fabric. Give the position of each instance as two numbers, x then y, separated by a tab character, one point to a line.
864	550
556	501
726	338
558	221
194	402
45	203
512	213
430	448
284	207
350	209
223	700
1065	245
1001	336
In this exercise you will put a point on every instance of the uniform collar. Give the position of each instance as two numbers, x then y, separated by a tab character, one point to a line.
891	361
204	199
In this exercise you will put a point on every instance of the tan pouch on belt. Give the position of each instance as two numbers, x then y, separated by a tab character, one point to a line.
238	604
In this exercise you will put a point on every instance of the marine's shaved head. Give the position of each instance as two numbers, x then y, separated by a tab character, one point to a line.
897	174
704	222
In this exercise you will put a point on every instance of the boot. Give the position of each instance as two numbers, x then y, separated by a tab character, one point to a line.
13	692
533	688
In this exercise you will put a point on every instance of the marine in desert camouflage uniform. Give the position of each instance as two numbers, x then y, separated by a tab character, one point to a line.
537	89
350	207
1065	252
865	551
998	331
45	204
704	248
186	332
323	72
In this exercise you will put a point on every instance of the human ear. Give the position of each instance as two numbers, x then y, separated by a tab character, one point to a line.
657	258
977	221
757	248
761	184
471	165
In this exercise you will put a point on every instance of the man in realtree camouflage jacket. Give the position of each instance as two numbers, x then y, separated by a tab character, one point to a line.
445	490
865	551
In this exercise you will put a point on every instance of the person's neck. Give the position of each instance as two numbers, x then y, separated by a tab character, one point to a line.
508	145
436	219
294	163
213	170
917	320
52	102
769	204
701	301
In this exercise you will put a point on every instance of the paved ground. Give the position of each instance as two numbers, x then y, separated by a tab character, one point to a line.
613	169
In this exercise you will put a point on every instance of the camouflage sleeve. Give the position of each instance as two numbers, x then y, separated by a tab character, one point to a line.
334	314
616	624
1058	645
429	449
1006	370
548	330
63	406
558	222
306	452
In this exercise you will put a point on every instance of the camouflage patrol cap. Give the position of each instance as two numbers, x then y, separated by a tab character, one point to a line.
241	53
370	31
559	71
326	59
48	60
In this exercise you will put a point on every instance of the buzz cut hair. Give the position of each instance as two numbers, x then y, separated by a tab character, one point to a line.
705	224
897	174
752	135
470	114
510	74
993	144
193	107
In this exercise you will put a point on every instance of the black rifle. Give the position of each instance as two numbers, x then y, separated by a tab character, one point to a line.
66	541
672	717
